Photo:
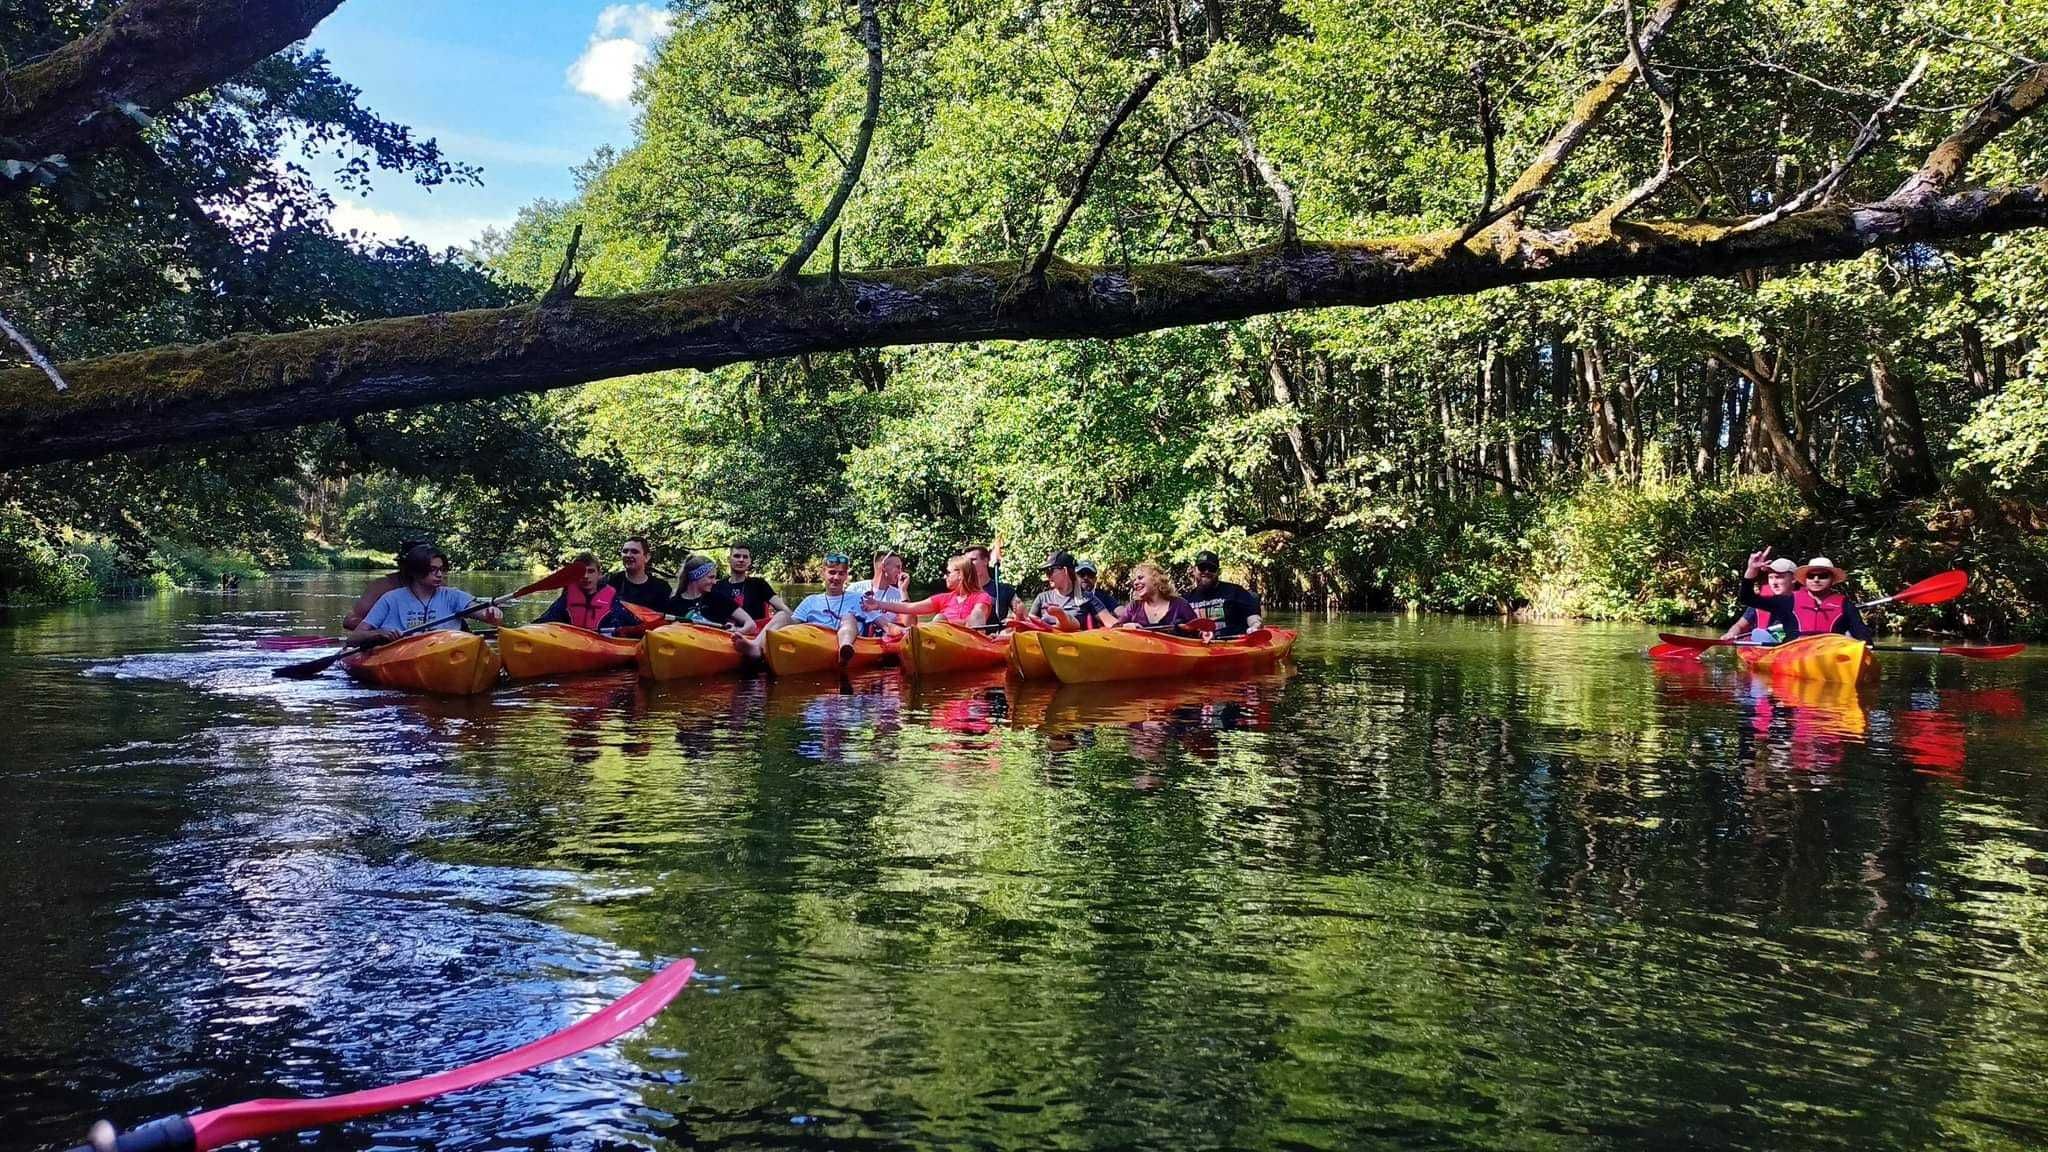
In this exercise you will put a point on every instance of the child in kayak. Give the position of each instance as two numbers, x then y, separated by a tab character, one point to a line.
1757	625
1817	604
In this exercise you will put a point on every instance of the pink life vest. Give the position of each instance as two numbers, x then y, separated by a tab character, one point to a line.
593	610
1817	615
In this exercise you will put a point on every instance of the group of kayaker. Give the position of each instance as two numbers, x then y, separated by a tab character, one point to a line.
416	595
1783	600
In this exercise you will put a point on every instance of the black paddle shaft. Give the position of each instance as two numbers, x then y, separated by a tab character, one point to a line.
170	1134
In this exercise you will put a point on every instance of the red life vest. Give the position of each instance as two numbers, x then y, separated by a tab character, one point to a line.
1817	615
592	612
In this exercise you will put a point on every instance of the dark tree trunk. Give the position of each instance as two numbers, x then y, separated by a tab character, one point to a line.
1976	368
1910	466
1770	435
1713	400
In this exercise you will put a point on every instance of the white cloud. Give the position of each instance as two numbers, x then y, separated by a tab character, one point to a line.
620	45
436	232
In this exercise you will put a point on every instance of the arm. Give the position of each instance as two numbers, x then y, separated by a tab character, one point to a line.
980	615
898	608
1255	610
558	612
739	621
360	611
374	629
1852	621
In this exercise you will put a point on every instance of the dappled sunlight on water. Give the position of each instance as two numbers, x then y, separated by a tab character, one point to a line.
1437	883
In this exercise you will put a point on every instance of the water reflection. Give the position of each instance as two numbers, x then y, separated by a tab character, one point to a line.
1443	883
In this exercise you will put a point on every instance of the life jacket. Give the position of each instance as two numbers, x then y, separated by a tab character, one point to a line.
594	609
1817	615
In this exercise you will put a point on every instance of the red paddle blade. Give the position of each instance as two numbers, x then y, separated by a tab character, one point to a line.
1674	652
648	617
1697	643
1938	589
561	577
1986	651
258	1118
1200	624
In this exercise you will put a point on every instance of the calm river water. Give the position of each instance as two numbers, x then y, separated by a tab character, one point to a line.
1442	884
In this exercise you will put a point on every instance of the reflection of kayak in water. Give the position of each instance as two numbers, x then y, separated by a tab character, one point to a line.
1827	657
1818	706
1214	704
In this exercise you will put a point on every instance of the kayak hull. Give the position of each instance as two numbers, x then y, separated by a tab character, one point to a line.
808	649
685	651
1027	656
938	648
446	663
1829	658
539	650
1129	654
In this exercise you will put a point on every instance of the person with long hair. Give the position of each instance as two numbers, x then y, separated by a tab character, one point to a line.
1154	605
963	602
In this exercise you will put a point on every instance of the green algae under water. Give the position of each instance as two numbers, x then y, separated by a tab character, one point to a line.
1440	884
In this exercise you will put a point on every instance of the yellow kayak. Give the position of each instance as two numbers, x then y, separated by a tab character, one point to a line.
448	663
1829	657
1027	656
1132	654
807	649
685	651
937	648
560	650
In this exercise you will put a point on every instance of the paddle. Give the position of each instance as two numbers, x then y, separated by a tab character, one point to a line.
256	1119
1967	651
561	577
1937	589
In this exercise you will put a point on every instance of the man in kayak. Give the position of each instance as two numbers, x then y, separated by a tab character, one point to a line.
836	608
755	595
1234	608
1064	594
1818	603
1001	594
701	598
375	590
424	600
1757	625
589	604
634	584
887	584
1085	579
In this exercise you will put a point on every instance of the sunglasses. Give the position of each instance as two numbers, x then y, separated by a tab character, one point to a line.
836	558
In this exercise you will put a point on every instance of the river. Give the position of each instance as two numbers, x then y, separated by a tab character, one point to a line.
1442	883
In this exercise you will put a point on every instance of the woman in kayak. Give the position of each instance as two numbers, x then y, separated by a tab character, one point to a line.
1757	625
701	599
1817	604
1153	605
963	602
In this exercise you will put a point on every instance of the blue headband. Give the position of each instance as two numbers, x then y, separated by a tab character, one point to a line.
699	572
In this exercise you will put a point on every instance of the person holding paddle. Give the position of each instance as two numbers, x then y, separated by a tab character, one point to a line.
591	603
425	599
1817	603
1235	608
377	589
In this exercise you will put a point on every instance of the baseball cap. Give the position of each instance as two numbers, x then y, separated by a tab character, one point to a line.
1206	561
1087	566
1058	560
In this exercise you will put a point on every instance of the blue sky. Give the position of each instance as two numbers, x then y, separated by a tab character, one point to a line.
526	89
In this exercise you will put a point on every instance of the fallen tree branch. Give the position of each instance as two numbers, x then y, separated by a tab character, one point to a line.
146	56
1035	272
871	36
234	386
1866	137
2008	105
35	354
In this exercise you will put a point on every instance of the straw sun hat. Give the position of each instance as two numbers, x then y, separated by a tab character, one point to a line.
1820	564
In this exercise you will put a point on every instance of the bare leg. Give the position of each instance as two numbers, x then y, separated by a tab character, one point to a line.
755	647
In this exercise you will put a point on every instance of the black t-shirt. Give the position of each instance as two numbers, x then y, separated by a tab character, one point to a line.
1229	603
713	607
753	593
1004	595
653	594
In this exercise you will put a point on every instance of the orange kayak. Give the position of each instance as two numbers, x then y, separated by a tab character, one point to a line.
1027	656
560	650
807	649
1131	654
444	662
1829	657
936	648
685	651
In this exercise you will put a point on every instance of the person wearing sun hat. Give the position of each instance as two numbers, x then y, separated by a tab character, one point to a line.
1817	603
